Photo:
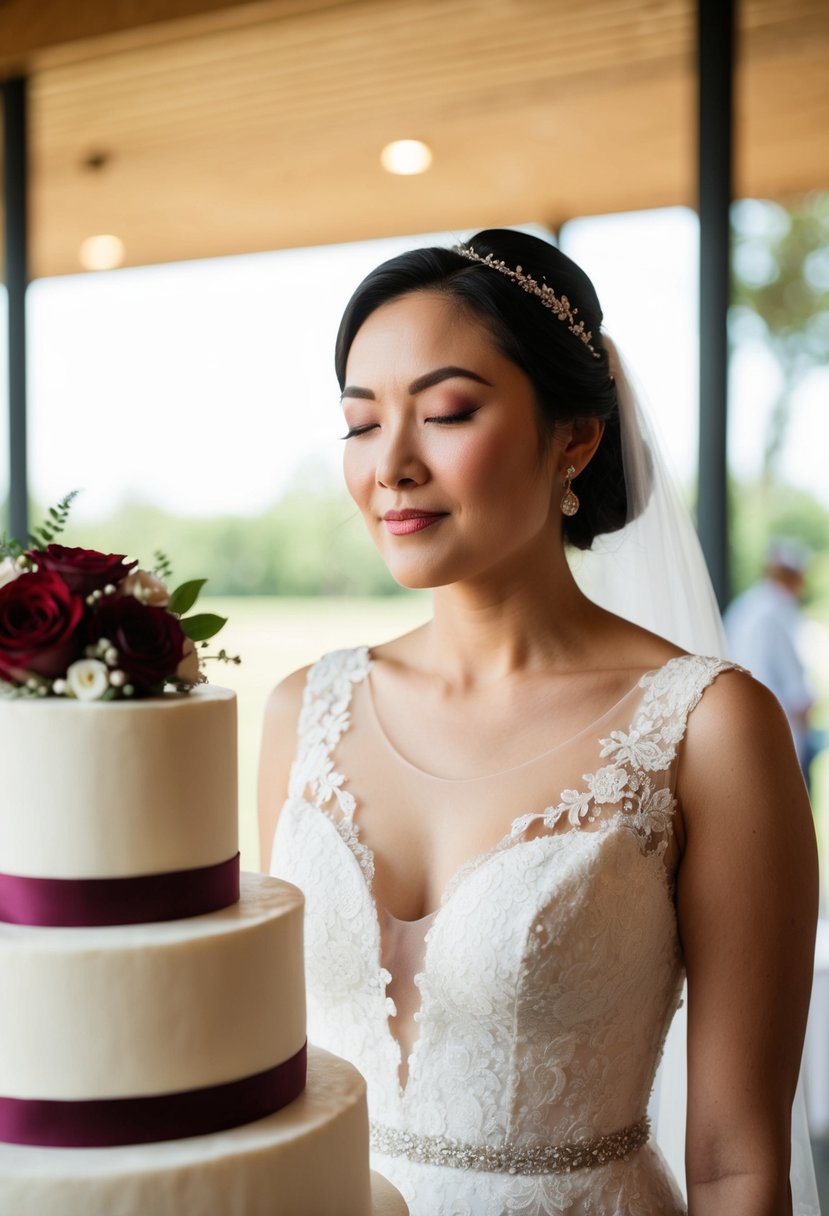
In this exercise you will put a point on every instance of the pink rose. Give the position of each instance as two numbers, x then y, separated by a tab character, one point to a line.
146	588
188	669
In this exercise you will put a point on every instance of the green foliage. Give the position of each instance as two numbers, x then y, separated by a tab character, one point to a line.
203	625
780	293
44	534
55	523
762	511
185	596
162	567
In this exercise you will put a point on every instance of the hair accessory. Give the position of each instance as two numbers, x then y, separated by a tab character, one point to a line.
570	502
559	305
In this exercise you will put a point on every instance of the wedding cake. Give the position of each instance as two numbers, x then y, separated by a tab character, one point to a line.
152	1028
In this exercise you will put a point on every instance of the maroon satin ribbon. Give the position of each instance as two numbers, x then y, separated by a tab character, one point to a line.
140	899
109	1122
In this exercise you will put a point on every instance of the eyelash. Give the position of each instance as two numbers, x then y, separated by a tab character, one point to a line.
463	416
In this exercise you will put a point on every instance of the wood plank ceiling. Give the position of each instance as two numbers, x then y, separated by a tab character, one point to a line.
260	126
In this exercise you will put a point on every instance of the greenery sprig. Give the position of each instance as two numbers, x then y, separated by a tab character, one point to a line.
43	534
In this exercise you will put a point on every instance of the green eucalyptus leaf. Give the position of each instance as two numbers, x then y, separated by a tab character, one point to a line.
202	626
185	596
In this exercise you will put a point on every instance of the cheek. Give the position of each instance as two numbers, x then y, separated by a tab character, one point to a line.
498	462
357	473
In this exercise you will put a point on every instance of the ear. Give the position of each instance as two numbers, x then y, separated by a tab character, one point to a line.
580	438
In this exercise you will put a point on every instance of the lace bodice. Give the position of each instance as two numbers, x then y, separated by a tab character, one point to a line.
549	973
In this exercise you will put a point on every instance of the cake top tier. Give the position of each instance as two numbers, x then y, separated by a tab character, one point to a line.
117	789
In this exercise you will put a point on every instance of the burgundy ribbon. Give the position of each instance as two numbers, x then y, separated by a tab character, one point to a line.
108	1122
140	899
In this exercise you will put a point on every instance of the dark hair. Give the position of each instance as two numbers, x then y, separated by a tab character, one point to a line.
569	380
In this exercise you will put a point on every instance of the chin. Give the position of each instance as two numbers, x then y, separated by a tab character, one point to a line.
420	576
416	580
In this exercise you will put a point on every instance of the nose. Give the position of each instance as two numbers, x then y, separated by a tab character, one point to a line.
400	463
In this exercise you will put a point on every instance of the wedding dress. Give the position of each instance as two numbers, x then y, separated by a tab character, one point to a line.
509	1039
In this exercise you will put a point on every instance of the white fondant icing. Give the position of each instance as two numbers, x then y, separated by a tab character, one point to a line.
104	790
310	1158
147	1009
386	1200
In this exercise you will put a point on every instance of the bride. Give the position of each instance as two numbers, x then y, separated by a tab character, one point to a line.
522	825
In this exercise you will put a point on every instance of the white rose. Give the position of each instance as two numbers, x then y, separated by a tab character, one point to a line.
9	570
188	669
87	679
146	588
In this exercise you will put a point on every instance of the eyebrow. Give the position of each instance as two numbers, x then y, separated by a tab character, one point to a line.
429	380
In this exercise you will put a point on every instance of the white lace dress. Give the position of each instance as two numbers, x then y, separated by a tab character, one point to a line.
546	980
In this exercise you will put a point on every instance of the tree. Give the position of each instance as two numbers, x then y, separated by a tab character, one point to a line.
781	290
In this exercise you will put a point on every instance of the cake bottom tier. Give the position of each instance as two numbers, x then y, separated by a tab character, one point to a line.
309	1159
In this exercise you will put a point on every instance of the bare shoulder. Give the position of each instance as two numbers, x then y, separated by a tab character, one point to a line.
738	715
737	752
276	754
285	700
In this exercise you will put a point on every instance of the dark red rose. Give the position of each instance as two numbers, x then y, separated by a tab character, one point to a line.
149	641
40	626
83	570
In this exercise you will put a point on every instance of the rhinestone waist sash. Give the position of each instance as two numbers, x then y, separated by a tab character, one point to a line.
509	1158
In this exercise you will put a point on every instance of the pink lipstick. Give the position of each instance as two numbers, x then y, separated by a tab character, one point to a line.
400	523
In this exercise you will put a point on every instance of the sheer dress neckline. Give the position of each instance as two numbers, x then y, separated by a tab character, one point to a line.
348	828
511	769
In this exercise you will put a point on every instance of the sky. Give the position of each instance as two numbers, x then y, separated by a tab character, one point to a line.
208	387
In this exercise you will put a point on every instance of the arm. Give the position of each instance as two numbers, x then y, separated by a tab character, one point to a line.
276	755
747	893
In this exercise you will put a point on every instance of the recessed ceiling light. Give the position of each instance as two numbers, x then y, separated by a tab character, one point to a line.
406	157
103	252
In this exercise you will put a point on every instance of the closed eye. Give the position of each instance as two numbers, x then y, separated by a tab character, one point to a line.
463	416
358	430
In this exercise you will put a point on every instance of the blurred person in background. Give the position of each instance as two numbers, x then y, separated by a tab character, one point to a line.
764	626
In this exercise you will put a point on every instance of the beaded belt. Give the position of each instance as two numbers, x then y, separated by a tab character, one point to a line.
509	1158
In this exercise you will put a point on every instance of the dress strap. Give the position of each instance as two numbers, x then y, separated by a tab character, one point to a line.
659	725
324	718
637	776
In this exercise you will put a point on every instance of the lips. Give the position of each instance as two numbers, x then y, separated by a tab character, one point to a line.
400	523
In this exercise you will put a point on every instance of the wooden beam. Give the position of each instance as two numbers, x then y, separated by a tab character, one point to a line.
38	34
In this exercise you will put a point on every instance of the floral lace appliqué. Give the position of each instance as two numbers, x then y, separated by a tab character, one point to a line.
324	718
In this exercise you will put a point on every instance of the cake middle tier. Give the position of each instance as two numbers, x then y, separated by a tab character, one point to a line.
133	1010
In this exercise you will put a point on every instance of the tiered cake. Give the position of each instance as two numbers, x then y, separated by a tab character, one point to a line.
152	1023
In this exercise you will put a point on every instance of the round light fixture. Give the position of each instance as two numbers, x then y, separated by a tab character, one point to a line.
406	157
103	252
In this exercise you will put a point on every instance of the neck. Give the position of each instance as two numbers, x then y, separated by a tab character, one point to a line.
527	616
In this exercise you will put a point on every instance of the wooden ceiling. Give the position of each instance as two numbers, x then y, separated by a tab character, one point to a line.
192	128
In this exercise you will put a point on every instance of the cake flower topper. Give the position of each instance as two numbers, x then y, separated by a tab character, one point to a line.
93	626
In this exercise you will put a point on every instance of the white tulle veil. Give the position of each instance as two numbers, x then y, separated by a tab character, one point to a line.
653	572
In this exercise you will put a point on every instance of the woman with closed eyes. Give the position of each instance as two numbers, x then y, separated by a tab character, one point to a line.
520	827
